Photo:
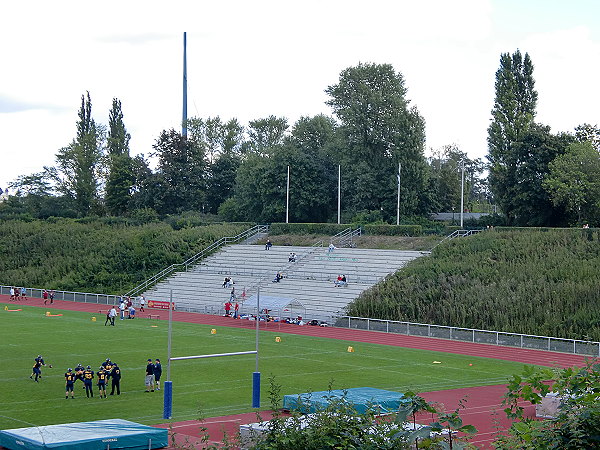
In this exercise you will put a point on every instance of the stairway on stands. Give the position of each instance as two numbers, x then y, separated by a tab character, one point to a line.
309	280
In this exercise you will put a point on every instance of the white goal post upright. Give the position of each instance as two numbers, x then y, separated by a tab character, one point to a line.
168	385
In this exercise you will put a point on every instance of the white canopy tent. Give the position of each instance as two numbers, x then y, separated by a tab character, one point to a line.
281	307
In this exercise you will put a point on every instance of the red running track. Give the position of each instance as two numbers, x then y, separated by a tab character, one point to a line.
483	408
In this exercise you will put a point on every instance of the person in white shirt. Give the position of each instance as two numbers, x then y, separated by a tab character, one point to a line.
112	314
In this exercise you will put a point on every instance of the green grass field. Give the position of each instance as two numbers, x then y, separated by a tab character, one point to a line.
205	387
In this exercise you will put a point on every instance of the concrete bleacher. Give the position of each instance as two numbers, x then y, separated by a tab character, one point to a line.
308	280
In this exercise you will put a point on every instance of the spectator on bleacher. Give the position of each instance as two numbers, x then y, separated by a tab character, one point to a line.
268	245
341	281
331	247
232	295
292	257
236	308
278	277
226	282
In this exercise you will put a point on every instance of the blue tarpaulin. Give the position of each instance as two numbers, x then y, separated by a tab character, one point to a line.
361	399
97	435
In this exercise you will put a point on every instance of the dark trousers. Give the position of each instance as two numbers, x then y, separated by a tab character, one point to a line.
116	384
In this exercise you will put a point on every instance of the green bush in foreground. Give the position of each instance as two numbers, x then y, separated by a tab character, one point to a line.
339	425
577	424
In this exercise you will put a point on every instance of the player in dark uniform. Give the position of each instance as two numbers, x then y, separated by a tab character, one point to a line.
37	368
115	378
88	376
102	375
157	373
70	377
79	373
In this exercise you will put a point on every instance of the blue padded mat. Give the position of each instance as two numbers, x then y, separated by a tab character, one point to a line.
97	435
362	399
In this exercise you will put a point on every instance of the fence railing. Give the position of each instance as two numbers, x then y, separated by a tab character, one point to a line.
456	234
184	266
345	238
500	338
82	297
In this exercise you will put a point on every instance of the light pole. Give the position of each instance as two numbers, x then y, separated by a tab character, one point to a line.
462	193
339	193
287	197
398	202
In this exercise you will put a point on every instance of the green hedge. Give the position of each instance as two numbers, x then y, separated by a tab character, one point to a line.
332	229
329	229
393	230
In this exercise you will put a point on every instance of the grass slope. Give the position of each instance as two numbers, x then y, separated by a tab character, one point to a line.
524	281
202	388
98	257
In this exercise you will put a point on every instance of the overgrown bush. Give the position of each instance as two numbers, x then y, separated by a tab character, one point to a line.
102	255
542	282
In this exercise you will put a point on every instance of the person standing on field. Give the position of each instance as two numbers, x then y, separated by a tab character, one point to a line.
112	314
115	378
149	376
157	373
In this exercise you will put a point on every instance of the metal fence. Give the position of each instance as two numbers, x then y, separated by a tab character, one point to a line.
82	297
526	341
472	335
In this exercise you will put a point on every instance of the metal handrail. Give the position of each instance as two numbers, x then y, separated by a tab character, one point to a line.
345	236
254	286
455	234
192	260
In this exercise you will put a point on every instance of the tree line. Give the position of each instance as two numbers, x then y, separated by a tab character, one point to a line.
374	141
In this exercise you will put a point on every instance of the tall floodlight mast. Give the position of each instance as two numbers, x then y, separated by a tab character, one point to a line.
184	117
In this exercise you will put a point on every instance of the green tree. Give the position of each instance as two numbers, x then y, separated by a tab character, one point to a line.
513	115
445	178
266	133
262	177
588	133
120	175
574	182
79	164
380	130
180	182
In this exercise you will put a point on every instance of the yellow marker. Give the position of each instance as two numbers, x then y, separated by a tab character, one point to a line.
350	349
154	326
213	331
277	339
93	319
6	308
47	313
437	362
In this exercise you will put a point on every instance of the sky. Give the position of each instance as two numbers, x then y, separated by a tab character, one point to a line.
251	59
